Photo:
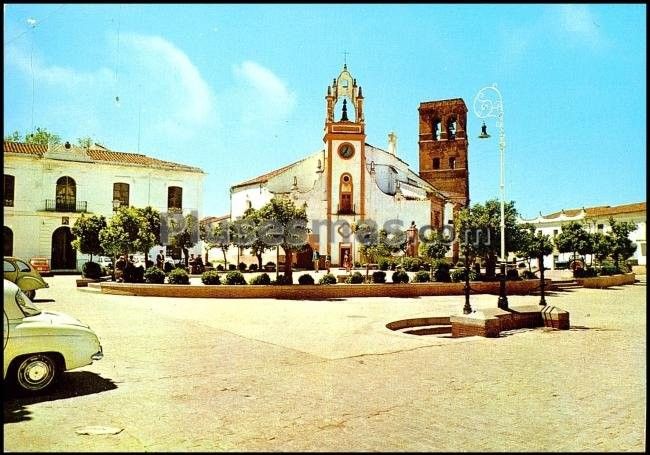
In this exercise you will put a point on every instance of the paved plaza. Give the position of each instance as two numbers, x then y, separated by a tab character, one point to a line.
327	375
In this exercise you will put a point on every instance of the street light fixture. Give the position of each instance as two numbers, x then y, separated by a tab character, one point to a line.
488	103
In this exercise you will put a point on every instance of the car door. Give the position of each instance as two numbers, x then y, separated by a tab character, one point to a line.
10	271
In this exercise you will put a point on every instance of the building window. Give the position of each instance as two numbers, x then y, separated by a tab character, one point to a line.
452	163
555	232
174	198
435	130
601	227
451	129
9	190
121	193
436	163
345	194
66	194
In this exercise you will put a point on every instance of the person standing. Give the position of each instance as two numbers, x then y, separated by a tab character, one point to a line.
316	259
328	261
346	262
160	260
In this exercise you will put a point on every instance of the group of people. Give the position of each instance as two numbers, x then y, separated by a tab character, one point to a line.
121	265
347	263
195	263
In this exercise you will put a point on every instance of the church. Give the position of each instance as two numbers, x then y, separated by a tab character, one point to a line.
349	181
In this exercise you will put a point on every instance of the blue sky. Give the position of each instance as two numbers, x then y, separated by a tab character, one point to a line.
238	90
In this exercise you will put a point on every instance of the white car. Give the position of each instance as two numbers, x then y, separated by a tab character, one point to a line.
39	345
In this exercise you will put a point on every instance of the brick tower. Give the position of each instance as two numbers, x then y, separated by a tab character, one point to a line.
443	148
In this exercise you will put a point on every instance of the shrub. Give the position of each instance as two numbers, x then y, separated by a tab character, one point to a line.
460	264
179	276
168	267
411	264
148	263
242	267
606	270
91	270
270	266
528	275
282	280
425	265
261	279
235	277
383	264
357	264
252	268
232	267
458	275
220	268
441	271
328	278
421	277
400	276
355	278
210	277
133	274
154	275
512	274
379	277
306	279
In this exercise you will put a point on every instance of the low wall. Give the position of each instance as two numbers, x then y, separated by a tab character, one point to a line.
301	292
601	282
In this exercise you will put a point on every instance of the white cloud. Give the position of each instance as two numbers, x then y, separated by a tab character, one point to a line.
192	98
579	22
270	97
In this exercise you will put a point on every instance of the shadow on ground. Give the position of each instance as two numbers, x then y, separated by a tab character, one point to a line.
70	385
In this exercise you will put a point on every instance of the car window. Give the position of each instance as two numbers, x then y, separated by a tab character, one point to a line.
26	305
22	266
9	267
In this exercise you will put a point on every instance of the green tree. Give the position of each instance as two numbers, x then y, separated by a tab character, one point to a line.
253	219
184	235
126	232
14	137
619	238
285	225
153	222
43	137
433	247
86	232
602	246
85	142
220	238
574	239
480	227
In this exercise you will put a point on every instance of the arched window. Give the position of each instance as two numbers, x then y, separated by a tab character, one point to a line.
8	241
174	198
345	194
66	194
452	163
451	128
436	163
9	190
435	129
121	193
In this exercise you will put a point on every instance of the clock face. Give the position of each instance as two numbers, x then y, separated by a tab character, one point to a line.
346	151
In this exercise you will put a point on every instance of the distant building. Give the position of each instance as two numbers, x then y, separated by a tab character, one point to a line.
595	219
46	189
349	181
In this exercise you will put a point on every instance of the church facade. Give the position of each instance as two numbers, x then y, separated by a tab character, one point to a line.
349	181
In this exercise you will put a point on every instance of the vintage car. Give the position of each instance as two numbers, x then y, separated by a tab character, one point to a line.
24	275
40	345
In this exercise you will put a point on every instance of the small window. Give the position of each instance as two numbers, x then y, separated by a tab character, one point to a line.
555	232
451	129
9	190
601	227
452	163
175	198
121	193
436	163
435	130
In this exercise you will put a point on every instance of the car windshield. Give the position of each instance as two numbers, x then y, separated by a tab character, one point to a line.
26	305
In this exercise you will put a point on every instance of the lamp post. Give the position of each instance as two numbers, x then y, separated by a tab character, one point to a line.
488	103
467	308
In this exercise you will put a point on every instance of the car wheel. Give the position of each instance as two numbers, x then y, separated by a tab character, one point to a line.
31	294
36	372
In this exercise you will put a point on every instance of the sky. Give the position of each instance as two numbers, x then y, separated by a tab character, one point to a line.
239	90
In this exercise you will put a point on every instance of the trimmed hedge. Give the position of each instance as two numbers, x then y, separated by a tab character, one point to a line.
91	270
235	277
282	279
210	277
400	276
154	275
306	279
262	279
421	277
327	279
355	278
458	275
379	277
179	276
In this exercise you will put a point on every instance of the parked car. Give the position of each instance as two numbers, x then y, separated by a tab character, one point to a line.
105	262
40	345
42	264
24	275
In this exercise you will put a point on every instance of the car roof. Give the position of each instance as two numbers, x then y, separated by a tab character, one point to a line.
9	287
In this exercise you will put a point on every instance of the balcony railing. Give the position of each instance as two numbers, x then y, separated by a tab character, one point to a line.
346	210
52	205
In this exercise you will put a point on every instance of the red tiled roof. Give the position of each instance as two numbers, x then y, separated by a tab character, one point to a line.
102	154
214	219
265	177
602	210
27	149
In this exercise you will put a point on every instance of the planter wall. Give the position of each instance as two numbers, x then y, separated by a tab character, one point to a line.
601	282
300	292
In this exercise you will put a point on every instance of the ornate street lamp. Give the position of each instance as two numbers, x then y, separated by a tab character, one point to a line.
488	103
